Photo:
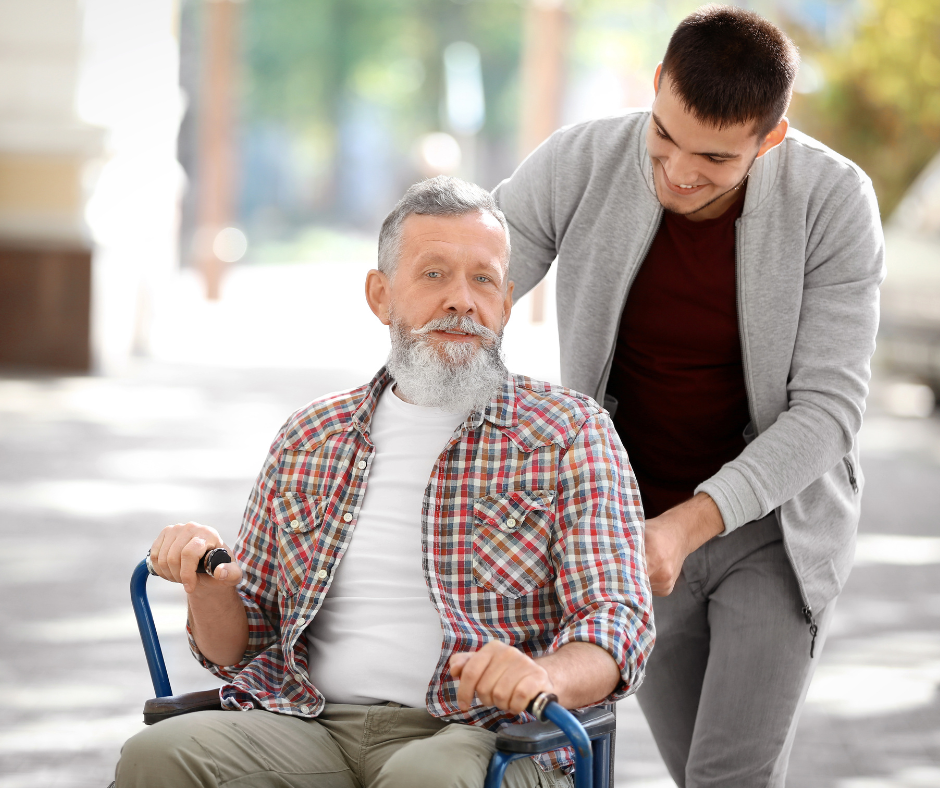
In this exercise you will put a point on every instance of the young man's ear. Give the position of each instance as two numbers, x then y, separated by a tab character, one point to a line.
656	77
775	137
379	295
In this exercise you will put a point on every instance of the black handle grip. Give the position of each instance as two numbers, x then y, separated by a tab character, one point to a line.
212	560
537	705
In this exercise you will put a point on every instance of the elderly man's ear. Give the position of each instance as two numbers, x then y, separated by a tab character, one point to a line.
379	294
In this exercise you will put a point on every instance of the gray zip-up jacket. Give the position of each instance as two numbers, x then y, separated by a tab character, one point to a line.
810	258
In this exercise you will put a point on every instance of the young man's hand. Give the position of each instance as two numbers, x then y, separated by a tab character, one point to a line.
500	675
676	533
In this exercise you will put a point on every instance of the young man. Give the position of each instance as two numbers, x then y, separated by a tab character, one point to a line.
718	282
420	556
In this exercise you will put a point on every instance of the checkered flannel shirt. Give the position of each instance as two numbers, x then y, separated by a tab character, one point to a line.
531	532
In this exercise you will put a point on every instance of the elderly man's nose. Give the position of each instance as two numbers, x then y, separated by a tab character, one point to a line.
459	298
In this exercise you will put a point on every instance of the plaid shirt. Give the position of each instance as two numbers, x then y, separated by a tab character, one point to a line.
531	533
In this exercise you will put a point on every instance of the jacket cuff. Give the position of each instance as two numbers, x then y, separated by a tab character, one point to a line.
734	496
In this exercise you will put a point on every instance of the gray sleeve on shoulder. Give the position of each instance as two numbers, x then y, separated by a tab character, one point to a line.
527	198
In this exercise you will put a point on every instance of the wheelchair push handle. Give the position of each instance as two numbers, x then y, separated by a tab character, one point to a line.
209	562
538	704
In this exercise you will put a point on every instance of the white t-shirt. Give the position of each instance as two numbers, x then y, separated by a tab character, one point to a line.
377	637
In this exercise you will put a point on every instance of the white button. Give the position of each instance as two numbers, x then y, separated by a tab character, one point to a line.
510	523
322	574
305	709
295	525
362	465
347	517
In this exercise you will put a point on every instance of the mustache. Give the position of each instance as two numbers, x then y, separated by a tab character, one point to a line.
456	323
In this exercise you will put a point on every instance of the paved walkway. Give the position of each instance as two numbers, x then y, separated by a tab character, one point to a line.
92	467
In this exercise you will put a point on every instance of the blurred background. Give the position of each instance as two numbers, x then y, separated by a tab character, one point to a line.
190	193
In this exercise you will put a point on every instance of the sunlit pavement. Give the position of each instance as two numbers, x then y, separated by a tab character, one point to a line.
92	467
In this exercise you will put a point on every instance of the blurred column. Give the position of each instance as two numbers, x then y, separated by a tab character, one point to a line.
544	61
129	86
45	251
216	201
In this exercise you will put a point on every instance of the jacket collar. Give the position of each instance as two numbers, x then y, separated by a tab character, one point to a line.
761	179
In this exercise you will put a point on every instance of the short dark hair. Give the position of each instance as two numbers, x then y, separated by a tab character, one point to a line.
729	66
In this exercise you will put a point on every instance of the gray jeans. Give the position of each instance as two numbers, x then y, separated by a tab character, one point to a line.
731	666
388	746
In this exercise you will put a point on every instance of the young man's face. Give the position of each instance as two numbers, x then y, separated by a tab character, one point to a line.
697	168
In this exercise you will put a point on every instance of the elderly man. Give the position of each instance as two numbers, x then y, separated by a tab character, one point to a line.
420	556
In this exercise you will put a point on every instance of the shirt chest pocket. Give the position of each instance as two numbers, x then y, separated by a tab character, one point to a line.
511	539
297	518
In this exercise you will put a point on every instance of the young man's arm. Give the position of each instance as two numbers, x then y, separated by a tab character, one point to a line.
826	391
527	200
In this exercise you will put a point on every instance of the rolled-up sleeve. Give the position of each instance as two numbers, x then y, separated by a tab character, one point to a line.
601	570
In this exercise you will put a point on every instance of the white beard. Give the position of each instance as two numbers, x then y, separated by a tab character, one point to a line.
460	378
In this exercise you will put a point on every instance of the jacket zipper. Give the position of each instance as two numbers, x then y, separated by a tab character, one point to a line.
813	629
623	305
806	610
852	480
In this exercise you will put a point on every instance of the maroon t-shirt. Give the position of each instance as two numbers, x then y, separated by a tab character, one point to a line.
677	371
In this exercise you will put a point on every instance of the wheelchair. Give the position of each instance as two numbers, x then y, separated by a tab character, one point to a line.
591	732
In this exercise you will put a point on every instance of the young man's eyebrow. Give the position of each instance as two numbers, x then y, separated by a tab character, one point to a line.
665	133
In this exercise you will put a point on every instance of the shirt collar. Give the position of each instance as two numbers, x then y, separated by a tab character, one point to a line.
501	410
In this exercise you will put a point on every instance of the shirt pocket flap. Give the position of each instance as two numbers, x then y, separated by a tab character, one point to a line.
513	508
297	512
511	541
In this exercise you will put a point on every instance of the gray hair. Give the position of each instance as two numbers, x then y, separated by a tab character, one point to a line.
440	196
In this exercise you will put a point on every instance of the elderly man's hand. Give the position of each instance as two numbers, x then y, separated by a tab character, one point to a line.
672	536
501	676
176	553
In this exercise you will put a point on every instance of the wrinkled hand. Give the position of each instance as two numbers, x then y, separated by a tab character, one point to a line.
676	533
176	553
500	675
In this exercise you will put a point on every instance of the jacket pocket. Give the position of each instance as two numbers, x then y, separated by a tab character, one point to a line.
298	518
511	538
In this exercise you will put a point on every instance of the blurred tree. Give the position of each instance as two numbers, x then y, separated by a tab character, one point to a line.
879	103
318	70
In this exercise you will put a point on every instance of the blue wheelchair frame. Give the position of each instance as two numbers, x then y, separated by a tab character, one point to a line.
590	732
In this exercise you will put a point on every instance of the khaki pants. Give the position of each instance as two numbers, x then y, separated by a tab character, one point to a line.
387	746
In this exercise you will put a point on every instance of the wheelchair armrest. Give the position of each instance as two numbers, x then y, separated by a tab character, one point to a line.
159	709
532	738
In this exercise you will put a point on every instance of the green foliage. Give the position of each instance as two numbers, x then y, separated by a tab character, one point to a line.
304	56
880	103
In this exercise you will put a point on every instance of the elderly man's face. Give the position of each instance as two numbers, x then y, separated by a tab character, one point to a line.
450	266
